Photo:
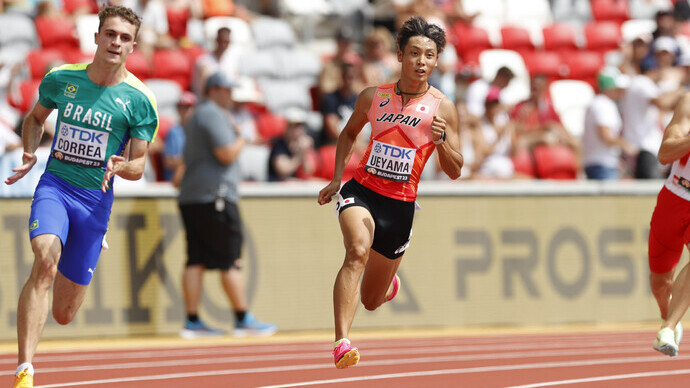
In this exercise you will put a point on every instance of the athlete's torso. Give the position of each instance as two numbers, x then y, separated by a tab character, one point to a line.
678	181
400	142
94	122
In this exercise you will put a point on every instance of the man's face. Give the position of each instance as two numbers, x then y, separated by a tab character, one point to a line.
115	40
418	58
221	96
223	40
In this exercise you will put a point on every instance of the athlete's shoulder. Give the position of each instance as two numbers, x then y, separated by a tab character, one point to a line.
140	87
68	67
437	93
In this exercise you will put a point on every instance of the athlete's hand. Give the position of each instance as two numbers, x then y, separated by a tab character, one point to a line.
328	192
438	126
28	160
110	170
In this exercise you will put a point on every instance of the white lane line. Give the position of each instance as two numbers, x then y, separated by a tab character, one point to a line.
607	378
504	354
473	370
303	367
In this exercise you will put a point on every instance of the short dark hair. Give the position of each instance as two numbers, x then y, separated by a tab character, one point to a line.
119	11
417	26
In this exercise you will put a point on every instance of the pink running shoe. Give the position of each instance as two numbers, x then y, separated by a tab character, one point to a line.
344	355
396	288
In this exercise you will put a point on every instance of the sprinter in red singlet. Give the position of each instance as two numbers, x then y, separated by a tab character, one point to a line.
408	121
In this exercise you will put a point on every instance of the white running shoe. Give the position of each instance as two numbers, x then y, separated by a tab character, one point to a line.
678	333
665	342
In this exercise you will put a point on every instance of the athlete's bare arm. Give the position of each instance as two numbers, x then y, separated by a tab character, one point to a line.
346	141
131	169
446	120
676	142
32	130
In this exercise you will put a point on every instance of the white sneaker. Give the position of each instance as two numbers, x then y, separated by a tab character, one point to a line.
665	342
678	333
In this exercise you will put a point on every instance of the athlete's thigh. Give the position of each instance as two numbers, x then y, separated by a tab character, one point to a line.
82	249
379	273
357	226
67	295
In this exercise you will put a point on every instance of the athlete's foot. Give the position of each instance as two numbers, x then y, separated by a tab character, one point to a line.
396	288
666	343
344	354
24	379
678	333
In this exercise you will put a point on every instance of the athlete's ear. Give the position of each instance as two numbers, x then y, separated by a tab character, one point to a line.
134	44
95	38
400	56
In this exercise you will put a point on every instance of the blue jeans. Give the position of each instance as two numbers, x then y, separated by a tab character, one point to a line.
599	172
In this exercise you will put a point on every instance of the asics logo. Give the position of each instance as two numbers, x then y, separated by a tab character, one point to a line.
384	102
124	104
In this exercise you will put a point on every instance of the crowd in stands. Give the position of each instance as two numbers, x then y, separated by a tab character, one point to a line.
545	89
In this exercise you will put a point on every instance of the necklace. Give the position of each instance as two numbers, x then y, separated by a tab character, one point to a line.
399	92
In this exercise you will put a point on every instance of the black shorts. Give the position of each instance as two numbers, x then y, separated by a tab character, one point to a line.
392	217
214	238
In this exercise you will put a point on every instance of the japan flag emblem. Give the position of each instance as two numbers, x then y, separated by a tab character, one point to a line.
422	108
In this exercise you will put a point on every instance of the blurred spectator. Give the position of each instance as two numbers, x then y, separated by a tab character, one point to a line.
179	12
330	77
537	121
153	32
380	63
478	90
217	8
494	142
210	63
666	27
244	94
292	155
428	9
642	122
602	141
174	141
670	76
337	107
634	53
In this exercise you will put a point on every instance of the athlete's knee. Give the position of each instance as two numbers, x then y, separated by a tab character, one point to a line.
371	302
661	282
44	270
356	254
64	313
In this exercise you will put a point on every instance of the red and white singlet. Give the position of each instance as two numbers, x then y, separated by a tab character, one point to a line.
678	182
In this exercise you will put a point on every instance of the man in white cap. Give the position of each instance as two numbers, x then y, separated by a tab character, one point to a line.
602	139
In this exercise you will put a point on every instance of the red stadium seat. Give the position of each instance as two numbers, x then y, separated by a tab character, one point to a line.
584	65
270	126
40	60
177	21
88	6
56	32
28	91
616	11
524	164
471	40
516	39
603	36
326	165
173	65
559	37
138	65
555	162
546	63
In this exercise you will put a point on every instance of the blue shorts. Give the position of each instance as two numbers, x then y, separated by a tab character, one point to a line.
78	216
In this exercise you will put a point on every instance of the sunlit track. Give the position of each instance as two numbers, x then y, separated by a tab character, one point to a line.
521	360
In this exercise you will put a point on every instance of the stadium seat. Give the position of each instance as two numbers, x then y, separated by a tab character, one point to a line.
603	36
269	125
259	64
570	99
172	64
545	62
240	31
299	63
631	29
560	38
177	21
305	7
517	39
489	9
72	6
86	25
167	94
491	60
17	30
555	162
56	32
528	12
138	65
253	162
583	65
616	11
326	163
28	92
270	32
282	94
40	60
471	40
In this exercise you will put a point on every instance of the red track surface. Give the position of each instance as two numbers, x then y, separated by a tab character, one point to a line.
574	360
